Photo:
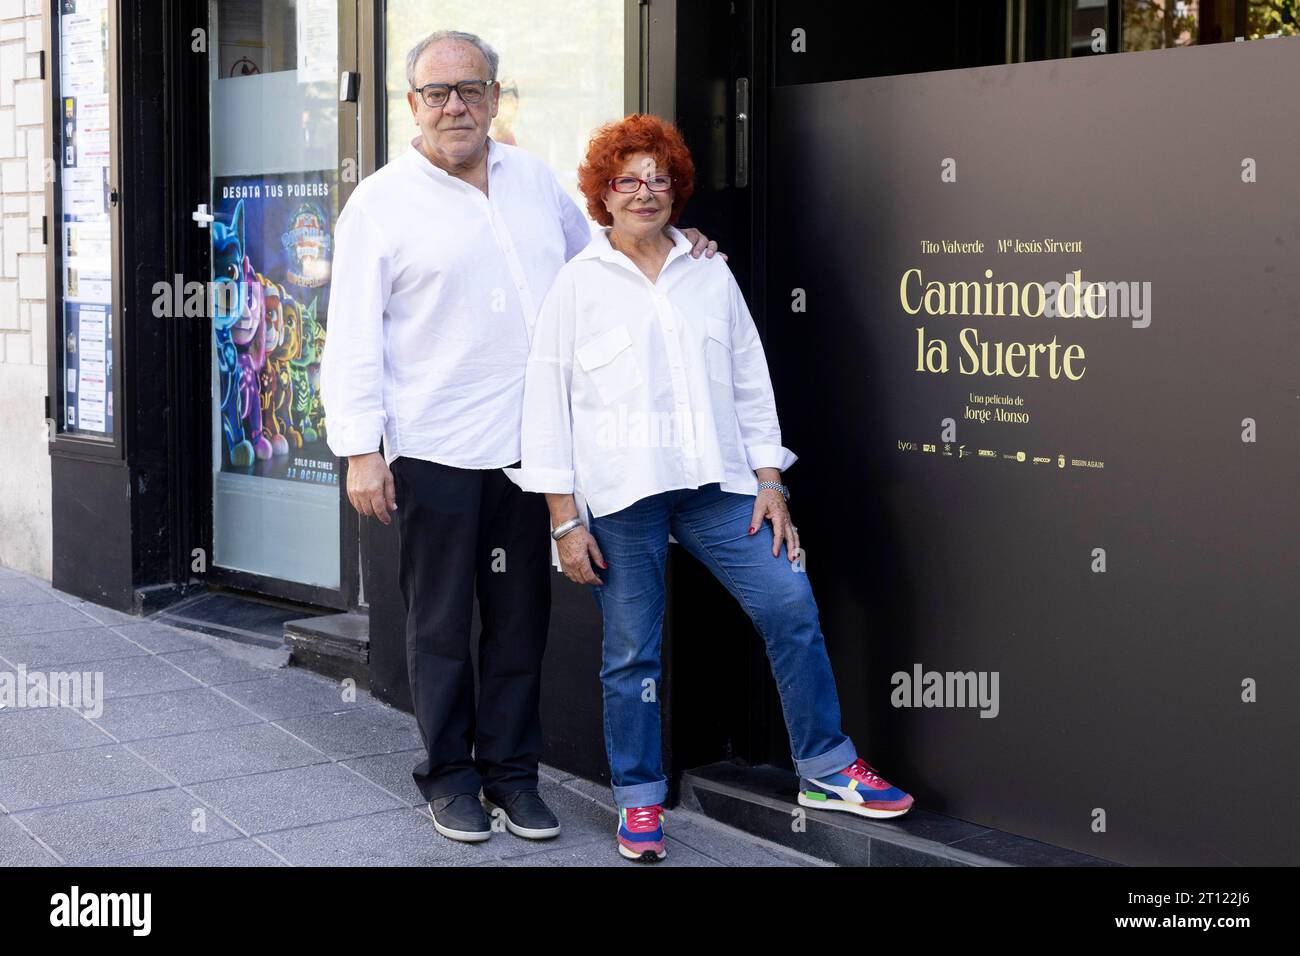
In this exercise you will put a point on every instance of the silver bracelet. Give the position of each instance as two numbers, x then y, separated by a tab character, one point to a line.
565	528
785	492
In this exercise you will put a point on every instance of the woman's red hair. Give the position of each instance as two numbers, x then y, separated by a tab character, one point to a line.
638	133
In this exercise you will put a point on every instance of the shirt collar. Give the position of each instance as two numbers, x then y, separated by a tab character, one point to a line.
495	155
599	247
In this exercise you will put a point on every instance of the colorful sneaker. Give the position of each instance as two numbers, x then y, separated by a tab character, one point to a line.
641	833
858	789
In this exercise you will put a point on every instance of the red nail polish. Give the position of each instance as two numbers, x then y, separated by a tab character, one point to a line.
752	530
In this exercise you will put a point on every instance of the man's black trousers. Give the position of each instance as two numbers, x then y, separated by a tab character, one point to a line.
464	531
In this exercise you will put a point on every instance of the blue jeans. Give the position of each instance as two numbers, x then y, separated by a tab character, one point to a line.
713	525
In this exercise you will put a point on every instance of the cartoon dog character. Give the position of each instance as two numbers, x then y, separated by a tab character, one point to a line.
274	298
306	411
228	278
249	335
280	362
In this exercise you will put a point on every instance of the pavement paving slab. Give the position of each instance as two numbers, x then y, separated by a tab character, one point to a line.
203	751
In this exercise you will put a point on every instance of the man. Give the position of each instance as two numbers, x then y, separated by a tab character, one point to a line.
442	259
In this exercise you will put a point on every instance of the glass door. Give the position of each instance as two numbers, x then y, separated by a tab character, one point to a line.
278	139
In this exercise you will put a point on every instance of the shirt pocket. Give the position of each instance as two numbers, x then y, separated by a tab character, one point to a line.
610	362
717	349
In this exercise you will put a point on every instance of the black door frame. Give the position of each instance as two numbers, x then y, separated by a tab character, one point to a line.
191	169
707	64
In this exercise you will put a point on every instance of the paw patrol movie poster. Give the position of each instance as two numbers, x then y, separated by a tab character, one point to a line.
272	245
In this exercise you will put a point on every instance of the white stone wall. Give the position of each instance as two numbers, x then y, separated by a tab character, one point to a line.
25	537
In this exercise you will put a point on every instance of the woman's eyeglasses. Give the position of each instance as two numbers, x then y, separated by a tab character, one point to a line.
630	184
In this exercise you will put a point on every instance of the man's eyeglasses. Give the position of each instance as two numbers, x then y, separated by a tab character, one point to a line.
471	92
630	184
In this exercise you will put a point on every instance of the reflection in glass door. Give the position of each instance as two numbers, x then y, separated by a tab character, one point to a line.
562	71
275	199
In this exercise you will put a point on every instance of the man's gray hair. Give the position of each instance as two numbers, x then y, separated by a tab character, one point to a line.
438	36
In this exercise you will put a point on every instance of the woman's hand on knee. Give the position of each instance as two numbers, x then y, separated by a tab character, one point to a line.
770	505
578	549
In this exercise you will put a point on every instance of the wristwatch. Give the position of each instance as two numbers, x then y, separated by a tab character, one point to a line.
785	492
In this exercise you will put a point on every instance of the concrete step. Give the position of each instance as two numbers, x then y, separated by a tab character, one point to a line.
334	645
761	801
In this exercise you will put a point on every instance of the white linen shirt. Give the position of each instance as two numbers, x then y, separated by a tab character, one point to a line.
635	388
435	292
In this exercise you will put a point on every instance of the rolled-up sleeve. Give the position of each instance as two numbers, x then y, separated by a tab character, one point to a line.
547	439
352	364
755	404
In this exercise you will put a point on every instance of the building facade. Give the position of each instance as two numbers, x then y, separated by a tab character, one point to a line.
25	483
164	449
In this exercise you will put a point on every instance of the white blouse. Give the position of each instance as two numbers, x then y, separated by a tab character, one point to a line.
634	388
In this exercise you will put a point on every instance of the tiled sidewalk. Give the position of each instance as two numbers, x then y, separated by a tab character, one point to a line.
211	753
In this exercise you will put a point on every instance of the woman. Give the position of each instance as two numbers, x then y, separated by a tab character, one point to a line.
647	395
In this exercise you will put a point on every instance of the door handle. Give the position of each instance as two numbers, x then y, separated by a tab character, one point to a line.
349	82
742	132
